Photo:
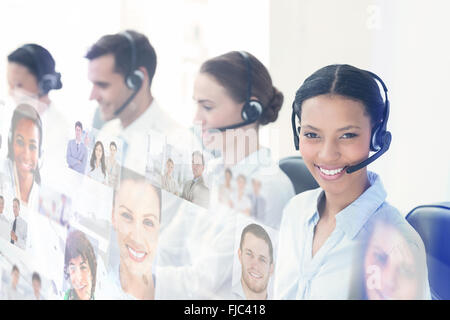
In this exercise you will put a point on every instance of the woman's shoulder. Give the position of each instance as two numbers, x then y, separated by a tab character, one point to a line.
390	215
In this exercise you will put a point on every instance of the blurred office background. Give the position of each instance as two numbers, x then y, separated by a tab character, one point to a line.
403	41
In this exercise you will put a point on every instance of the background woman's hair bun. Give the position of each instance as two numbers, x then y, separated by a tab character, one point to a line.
271	110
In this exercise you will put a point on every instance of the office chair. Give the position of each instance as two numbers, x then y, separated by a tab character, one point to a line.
296	170
432	222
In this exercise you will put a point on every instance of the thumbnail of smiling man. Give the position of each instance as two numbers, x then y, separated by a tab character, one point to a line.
256	257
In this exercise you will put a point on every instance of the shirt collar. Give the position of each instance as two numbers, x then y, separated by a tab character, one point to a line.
352	218
147	120
199	180
313	214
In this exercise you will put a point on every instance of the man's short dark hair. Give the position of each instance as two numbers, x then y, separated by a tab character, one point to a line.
119	46
1	197
260	233
15	268
36	277
78	124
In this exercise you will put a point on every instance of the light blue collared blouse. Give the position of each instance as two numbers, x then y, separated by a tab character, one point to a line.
330	274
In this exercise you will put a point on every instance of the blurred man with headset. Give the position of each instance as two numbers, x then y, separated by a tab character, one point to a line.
121	69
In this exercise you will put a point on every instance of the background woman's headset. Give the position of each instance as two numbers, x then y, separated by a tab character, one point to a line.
135	78
380	140
46	81
252	109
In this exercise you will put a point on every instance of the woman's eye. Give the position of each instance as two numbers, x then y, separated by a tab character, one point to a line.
381	258
311	135
349	135
148	223
207	108
33	147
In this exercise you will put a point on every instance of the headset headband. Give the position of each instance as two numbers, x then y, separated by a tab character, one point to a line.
130	39
249	75
386	100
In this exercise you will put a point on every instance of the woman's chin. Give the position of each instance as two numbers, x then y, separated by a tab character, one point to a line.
25	171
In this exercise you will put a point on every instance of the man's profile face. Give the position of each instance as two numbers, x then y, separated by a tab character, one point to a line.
256	264
16	208
36	286
112	150
2	205
109	88
78	132
256	186
197	165
15	277
169	167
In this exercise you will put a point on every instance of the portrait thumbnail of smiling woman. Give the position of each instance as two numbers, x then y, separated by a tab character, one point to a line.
24	152
135	222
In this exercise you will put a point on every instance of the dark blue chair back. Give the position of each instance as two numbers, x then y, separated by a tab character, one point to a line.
432	222
296	170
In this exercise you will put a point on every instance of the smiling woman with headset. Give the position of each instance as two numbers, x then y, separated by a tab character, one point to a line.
24	152
235	96
342	117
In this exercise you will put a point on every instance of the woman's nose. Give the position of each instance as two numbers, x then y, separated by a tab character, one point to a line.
329	151
199	118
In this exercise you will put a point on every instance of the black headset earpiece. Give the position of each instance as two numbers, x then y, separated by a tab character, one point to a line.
135	79
295	128
252	108
46	81
251	111
380	130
